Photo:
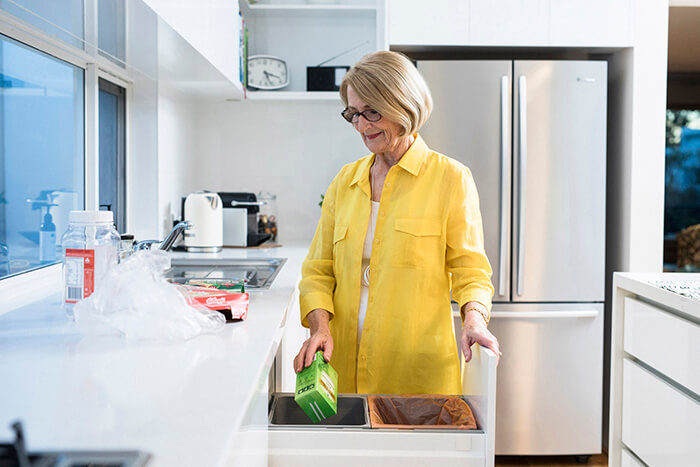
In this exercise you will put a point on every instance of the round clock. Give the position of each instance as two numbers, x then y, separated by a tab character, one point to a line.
267	72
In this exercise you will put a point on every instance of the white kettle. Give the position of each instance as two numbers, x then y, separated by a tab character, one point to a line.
204	210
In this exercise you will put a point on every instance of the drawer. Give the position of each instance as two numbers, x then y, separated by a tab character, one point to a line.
659	423
664	341
347	439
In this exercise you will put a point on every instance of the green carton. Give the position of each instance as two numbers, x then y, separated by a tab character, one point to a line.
316	390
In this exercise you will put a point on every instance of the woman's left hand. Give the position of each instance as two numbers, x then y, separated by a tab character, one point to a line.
474	331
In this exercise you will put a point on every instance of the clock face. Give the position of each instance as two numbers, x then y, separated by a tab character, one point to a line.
267	72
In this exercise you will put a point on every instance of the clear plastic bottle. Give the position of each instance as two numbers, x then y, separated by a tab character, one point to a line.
91	248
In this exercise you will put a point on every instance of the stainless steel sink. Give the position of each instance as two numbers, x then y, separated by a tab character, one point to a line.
258	273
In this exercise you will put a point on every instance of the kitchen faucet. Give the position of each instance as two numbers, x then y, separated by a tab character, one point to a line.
169	240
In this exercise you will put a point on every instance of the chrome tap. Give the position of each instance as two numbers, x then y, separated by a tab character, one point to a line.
169	240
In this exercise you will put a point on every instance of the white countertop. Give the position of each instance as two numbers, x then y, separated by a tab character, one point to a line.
182	402
644	284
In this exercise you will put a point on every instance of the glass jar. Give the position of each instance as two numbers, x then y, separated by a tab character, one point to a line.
126	246
91	247
267	217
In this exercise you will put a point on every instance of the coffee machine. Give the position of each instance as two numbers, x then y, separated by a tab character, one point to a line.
241	219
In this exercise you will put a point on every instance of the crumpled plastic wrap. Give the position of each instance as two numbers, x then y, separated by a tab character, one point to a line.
136	301
420	411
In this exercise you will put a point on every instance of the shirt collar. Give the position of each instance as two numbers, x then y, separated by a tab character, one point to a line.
412	161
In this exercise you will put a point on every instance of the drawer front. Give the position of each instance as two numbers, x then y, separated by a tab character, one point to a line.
659	423
375	448
665	342
628	461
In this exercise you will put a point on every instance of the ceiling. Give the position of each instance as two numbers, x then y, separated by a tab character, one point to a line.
684	39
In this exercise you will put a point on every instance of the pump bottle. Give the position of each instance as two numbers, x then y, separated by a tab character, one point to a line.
47	238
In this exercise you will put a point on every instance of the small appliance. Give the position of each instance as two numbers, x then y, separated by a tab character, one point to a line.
241	219
204	210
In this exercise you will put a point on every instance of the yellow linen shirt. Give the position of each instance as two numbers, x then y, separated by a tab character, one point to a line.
428	237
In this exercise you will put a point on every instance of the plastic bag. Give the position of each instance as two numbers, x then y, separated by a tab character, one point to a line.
136	301
420	411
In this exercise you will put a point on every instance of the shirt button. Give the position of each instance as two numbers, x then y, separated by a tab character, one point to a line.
388	183
382	214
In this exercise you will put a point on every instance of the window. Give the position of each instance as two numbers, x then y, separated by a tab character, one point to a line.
111	37
41	154
682	196
112	121
60	18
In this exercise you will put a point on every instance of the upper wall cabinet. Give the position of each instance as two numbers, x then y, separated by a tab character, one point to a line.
309	33
438	22
212	28
510	23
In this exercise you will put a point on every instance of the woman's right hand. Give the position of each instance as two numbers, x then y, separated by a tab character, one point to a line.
320	339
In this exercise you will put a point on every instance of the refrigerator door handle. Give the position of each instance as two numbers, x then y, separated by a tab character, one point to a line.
522	165
545	314
505	130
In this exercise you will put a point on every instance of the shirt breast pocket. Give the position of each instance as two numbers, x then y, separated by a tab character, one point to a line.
339	234
417	243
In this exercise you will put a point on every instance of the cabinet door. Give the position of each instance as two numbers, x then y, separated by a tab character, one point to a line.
438	22
509	22
591	23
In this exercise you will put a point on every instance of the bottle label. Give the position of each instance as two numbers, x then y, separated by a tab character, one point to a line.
47	246
79	274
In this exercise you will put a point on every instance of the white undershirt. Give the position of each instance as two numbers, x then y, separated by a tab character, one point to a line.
366	254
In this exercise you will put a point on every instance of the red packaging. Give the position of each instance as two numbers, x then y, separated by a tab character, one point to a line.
234	306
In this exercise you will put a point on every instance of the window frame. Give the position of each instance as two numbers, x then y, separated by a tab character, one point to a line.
33	283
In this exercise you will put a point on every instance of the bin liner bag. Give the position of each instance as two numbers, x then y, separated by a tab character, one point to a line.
420	411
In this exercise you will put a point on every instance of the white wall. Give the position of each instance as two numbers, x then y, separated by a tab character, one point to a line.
177	155
290	148
647	143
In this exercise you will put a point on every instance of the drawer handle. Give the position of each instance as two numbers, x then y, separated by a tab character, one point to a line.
545	314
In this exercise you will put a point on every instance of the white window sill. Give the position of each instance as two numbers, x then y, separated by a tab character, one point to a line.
29	287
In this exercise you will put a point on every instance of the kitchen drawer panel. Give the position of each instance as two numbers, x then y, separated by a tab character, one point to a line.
375	448
665	342
659	423
627	460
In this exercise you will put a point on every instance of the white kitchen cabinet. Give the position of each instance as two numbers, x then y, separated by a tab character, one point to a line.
590	23
660	424
438	22
655	354
511	23
309	33
212	27
675	354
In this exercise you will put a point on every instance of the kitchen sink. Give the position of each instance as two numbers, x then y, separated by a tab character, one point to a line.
257	273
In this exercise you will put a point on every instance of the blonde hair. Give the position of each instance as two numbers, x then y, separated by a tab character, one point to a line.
390	84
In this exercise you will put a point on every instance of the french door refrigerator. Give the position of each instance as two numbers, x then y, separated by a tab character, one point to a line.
533	135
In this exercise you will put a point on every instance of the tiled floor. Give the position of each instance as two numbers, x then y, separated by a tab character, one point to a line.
550	461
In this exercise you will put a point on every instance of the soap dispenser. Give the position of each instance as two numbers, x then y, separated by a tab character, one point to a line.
47	237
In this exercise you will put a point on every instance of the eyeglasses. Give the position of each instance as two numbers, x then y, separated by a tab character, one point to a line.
370	115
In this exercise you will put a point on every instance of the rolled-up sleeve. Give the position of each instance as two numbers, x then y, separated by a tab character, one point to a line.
318	279
465	255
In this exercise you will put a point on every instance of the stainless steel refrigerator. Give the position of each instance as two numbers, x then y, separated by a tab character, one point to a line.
533	135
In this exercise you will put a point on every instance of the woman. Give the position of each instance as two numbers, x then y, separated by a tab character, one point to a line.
400	229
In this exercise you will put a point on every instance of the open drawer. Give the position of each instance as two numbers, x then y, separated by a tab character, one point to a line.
348	440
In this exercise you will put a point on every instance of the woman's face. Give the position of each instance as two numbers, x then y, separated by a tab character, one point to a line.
381	136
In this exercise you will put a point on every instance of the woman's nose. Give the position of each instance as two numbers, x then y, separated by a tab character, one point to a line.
361	124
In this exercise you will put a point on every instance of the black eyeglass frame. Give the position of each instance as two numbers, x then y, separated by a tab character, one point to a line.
358	114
